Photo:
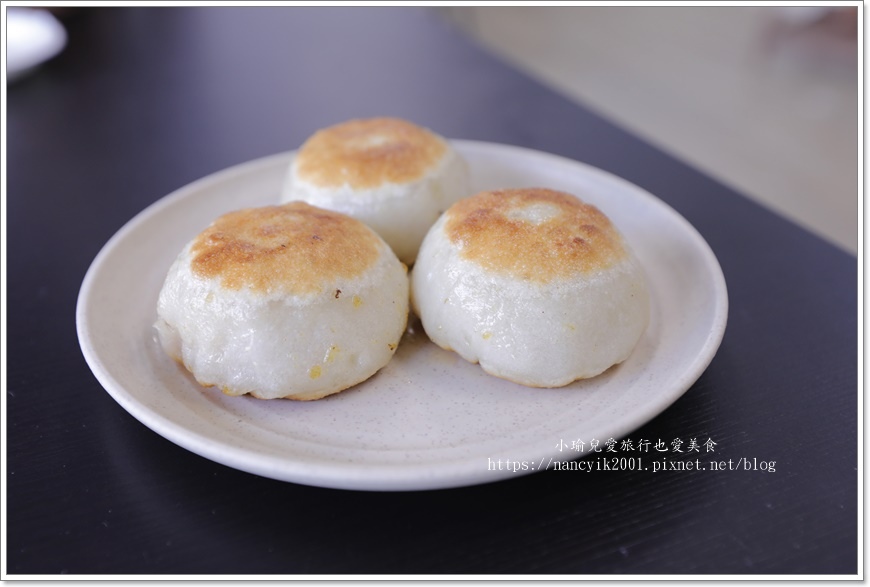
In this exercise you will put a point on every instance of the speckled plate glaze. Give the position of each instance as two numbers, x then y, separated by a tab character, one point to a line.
427	420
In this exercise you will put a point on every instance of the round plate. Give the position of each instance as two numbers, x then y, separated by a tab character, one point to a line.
428	419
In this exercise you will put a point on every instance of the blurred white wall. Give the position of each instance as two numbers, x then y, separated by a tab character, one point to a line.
764	99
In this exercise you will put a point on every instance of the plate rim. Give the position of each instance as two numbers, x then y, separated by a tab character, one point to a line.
351	475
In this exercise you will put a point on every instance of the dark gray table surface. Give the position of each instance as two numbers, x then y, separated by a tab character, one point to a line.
143	101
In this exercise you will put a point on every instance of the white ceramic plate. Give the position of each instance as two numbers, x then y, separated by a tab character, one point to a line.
428	419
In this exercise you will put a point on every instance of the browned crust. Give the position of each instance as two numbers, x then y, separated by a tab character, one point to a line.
293	249
366	153
578	239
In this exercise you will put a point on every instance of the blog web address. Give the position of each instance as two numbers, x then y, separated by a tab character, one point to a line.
628	456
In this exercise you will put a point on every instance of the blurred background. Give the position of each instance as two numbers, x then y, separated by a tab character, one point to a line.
764	99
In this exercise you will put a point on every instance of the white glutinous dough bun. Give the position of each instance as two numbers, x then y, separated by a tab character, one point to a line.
393	175
534	284
284	301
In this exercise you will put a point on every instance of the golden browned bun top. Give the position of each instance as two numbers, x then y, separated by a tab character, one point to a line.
534	234
366	153
293	249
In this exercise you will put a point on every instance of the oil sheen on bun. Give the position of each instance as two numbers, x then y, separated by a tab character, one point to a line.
391	174
283	301
534	284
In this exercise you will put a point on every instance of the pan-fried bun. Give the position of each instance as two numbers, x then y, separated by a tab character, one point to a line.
283	302
391	174
534	284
